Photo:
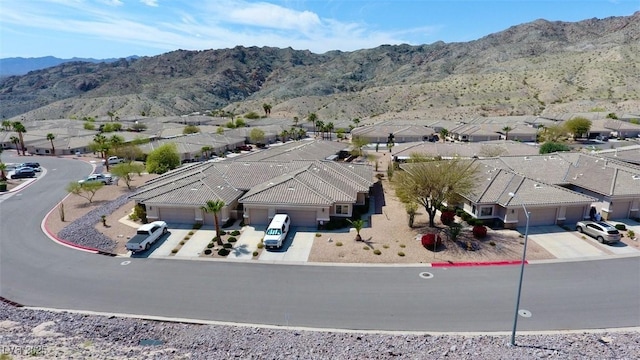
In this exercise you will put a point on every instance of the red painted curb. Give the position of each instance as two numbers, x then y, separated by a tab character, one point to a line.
477	263
55	238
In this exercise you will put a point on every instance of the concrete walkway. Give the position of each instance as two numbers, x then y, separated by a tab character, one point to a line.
175	236
196	244
247	243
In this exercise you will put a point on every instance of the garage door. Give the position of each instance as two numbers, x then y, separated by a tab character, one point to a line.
259	216
300	218
538	217
178	215
620	210
573	215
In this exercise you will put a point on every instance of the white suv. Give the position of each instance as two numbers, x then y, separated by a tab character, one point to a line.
602	231
277	231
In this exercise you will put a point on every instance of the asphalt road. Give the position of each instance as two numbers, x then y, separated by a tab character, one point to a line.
35	271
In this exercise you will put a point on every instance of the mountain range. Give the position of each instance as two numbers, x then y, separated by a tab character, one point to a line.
529	69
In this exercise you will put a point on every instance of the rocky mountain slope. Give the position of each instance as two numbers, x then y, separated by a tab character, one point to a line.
532	68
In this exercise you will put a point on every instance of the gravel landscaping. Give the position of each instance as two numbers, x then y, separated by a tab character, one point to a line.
26	333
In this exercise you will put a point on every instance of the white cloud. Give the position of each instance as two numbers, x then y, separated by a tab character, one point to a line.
193	26
153	3
113	2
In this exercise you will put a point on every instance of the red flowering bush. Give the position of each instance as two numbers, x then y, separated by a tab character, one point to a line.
431	240
480	231
447	217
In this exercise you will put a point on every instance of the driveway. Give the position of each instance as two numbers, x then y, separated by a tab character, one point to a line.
296	248
561	243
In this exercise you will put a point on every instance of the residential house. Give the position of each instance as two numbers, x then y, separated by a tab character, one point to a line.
311	192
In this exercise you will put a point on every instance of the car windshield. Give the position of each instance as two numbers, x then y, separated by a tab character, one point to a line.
274	232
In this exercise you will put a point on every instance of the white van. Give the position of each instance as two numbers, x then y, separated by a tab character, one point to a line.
277	231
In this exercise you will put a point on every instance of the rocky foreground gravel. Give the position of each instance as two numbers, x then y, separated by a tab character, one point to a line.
82	231
32	334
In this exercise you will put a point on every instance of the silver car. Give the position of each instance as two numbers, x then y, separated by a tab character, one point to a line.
602	231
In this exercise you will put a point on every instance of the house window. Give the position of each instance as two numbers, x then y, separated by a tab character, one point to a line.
342	209
473	210
486	211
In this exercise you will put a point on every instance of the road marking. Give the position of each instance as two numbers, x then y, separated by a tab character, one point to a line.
524	313
426	275
125	263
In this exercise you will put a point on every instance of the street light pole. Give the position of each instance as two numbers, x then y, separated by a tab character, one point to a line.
524	256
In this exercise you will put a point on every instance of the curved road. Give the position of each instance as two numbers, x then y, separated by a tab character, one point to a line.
38	272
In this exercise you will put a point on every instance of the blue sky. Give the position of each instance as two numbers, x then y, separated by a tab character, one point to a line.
120	28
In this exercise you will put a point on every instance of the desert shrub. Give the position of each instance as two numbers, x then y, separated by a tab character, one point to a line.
216	239
222	232
403	246
492	243
197	226
235	233
447	217
377	251
208	252
255	253
227	246
400	253
210	245
182	242
459	212
621	227
385	246
480	231
338	243
260	245
318	234
232	239
191	232
174	251
223	252
366	248
187	237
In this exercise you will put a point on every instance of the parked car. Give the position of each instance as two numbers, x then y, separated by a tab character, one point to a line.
34	165
245	147
23	172
277	231
112	160
600	230
103	178
146	235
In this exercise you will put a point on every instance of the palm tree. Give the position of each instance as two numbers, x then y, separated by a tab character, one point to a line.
205	151
20	129
214	207
443	134
320	126
15	142
267	109
330	128
295	121
506	130
312	119
284	134
6	125
111	114
51	137
358	225
356	121
3	167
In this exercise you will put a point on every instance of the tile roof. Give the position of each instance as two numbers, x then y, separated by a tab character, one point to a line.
496	186
296	150
313	182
